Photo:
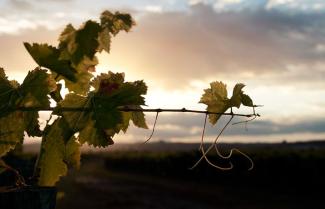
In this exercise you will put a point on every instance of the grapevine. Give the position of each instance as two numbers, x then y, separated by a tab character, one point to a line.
95	109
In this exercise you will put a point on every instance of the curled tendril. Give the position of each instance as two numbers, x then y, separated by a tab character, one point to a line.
204	153
153	128
214	145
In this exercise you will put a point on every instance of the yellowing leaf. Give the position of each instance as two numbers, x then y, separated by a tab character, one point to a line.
216	100
138	118
51	163
72	153
59	149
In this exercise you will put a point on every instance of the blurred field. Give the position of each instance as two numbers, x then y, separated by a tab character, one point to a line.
285	176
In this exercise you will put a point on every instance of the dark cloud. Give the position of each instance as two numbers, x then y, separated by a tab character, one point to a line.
203	43
21	4
189	125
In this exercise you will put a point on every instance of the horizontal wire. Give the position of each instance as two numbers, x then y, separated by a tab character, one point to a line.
124	109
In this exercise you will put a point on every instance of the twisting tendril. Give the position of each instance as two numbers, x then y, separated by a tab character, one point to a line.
214	145
153	128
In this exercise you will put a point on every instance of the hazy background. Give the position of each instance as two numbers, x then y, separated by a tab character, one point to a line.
275	47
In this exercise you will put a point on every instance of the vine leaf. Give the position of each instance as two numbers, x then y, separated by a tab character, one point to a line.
76	120
98	126
104	40
36	88
83	76
238	97
59	149
247	101
56	94
94	136
138	118
67	45
8	93
72	153
116	22
31	124
11	131
216	99
34	92
48	56
86	42
236	100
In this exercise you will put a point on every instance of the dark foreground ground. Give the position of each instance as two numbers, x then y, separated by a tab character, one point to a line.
285	176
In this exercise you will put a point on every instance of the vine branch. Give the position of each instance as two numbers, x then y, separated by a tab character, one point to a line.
127	109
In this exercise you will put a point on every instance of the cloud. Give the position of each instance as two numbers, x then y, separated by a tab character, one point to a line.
188	127
302	5
203	43
278	53
13	56
21	4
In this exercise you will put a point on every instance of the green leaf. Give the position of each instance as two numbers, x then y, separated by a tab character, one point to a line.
67	45
59	148
48	56
8	94
83	76
36	88
104	41
2	73
109	81
116	22
246	100
11	131
84	121
216	99
138	118
76	120
239	97
56	94
110	93
72	153
105	113
236	100
31	123
86	40
82	85
95	136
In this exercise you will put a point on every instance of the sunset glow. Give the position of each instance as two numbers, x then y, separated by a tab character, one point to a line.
276	48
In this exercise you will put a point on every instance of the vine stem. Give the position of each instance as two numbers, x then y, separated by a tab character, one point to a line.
127	109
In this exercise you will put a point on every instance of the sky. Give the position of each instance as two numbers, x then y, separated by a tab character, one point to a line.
275	47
